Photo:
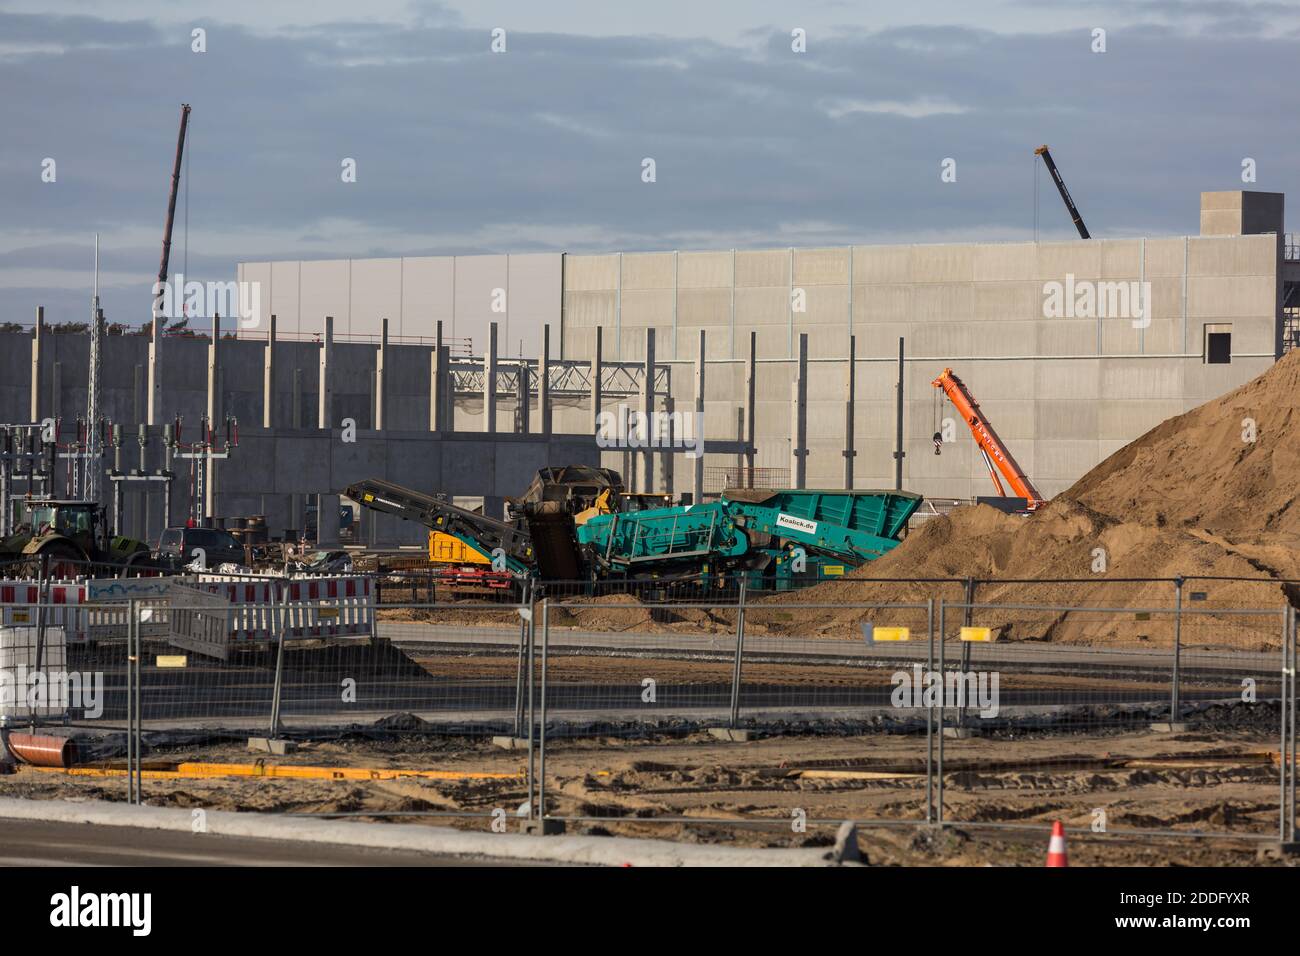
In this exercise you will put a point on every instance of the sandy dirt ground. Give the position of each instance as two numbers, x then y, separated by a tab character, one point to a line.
698	788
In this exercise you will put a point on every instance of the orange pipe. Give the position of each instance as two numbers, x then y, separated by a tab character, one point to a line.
41	750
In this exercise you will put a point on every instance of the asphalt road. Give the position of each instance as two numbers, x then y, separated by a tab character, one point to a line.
810	649
38	843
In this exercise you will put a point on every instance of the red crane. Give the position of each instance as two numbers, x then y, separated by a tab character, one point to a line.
997	456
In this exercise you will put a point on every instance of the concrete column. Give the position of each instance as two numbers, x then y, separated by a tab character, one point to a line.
214	363
438	400
597	370
850	395
647	411
381	378
296	400
668	460
327	521
325	397
38	340
138	395
799	416
154	411
740	437
544	382
268	377
214	410
751	406
697	465
522	389
296	515
490	382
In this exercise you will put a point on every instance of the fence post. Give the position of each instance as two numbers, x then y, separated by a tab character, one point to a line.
967	619
1287	748
942	695
372	601
1175	706
277	621
527	614
519	667
1283	696
42	584
130	702
740	652
1291	709
139	706
541	729
929	714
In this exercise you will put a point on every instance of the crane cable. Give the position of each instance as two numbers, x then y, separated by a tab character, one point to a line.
186	255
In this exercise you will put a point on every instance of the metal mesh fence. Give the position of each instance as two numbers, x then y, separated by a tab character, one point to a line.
730	706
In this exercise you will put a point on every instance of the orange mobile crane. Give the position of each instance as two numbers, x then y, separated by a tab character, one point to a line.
997	456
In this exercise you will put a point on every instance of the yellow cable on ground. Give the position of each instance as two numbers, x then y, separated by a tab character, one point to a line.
205	770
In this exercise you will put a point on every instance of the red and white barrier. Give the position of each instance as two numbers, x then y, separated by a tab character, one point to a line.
313	607
64	600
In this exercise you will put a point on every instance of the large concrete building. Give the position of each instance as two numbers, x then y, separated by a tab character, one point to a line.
1069	354
1064	389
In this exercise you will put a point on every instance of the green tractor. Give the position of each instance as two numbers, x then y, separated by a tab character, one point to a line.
70	535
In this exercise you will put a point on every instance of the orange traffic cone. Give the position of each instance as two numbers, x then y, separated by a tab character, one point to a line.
1056	855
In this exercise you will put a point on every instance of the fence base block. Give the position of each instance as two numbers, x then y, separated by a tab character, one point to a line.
732	734
546	826
1177	727
846	844
1277	851
510	743
270	745
961	733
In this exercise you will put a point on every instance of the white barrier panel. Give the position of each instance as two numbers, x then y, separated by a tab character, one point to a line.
313	607
328	607
19	601
107	613
198	621
17	665
250	599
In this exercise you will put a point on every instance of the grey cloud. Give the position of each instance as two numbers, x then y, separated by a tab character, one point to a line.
453	140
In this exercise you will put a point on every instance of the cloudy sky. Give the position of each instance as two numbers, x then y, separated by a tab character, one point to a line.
462	150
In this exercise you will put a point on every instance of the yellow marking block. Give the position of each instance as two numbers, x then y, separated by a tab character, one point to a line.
21	617
891	634
170	660
984	634
328	611
833	570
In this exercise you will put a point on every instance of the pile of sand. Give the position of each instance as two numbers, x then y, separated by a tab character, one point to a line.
1210	492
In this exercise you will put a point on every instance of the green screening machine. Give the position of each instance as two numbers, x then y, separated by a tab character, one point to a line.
772	538
776	537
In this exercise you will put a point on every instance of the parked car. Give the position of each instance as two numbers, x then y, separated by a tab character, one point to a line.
177	547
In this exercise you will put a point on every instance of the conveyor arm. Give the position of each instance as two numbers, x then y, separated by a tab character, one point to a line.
475	530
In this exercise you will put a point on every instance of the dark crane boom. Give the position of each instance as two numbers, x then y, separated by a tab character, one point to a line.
171	199
1065	193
